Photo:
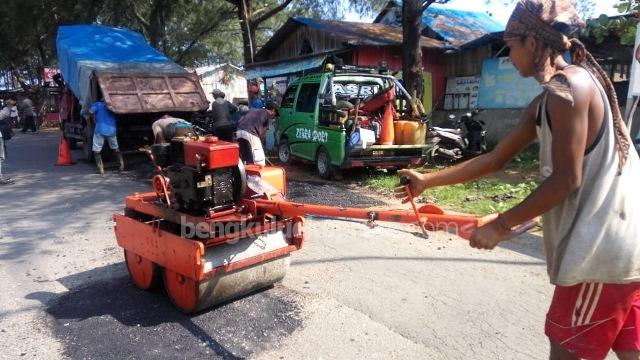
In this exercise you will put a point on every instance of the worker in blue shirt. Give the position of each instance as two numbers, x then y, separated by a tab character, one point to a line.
105	128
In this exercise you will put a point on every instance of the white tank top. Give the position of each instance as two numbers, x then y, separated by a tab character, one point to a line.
594	235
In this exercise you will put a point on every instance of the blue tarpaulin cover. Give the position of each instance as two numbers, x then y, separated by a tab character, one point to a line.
458	26
83	49
284	67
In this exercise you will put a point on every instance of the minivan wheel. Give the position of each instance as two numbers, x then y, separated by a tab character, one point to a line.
323	164
284	152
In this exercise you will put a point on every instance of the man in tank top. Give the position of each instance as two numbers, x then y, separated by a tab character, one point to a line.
587	192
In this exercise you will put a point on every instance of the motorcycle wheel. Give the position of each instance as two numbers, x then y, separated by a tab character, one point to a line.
438	159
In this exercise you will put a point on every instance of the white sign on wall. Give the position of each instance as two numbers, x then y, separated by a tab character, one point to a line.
462	93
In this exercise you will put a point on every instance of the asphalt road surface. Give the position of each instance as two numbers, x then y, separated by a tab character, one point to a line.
351	293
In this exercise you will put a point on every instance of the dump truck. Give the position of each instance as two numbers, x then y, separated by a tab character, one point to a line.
137	82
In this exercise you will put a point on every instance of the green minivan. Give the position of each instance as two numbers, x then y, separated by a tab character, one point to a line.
319	115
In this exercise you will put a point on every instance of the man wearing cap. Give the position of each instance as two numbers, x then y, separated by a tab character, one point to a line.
252	131
223	126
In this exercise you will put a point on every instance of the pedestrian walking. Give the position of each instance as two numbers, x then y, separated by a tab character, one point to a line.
29	114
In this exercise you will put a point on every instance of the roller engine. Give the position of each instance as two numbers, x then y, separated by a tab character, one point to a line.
199	176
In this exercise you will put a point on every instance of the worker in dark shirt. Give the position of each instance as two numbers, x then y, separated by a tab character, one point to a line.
223	127
252	131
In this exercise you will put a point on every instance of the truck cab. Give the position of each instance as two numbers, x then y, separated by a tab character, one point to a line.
323	115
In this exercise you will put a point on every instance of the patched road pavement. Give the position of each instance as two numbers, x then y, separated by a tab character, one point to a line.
351	292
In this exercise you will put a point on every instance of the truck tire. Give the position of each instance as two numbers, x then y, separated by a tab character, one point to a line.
323	164
284	152
87	144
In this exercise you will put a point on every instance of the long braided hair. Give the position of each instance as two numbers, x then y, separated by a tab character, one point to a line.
549	21
582	57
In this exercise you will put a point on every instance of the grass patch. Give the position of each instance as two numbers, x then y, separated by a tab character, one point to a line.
476	197
527	159
493	194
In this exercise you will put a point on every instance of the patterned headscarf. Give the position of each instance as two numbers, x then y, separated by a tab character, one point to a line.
551	21
555	23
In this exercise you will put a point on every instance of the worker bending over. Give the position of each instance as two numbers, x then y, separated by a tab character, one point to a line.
252	132
168	127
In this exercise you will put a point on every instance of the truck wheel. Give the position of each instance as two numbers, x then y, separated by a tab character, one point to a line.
87	146
284	152
323	164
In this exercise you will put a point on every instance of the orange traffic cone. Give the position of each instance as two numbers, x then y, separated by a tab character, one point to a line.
387	134
64	155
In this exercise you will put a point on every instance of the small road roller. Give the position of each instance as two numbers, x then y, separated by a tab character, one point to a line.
214	229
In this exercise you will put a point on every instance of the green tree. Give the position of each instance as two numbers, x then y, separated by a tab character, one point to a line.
623	27
180	29
27	34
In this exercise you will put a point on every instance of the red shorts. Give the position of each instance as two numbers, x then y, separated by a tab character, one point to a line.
590	319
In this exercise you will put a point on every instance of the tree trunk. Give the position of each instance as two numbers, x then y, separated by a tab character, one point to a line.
157	25
248	34
411	51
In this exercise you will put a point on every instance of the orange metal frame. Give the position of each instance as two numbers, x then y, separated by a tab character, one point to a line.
186	256
432	217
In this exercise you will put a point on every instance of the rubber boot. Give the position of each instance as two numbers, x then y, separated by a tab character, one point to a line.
99	163
120	161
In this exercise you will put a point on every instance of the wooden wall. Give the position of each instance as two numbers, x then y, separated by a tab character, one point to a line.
433	61
467	63
292	46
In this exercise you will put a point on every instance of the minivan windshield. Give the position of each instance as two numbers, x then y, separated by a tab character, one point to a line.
358	87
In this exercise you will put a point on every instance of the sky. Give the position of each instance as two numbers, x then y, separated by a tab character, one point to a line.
497	7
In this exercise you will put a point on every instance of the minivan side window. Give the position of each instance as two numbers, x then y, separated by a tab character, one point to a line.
307	98
289	97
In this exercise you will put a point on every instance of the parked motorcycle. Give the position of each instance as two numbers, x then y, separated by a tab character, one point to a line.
454	144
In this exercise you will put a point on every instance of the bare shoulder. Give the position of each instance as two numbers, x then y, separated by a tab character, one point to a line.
573	85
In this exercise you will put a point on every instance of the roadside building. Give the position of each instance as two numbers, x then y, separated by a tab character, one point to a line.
226	77
302	45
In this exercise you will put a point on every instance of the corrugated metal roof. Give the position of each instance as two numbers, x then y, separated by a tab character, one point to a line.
458	26
205	70
359	33
352	33
483	40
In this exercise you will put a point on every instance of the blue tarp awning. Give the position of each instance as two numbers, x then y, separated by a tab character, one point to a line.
284	67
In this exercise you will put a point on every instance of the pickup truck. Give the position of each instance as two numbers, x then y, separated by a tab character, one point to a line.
311	125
